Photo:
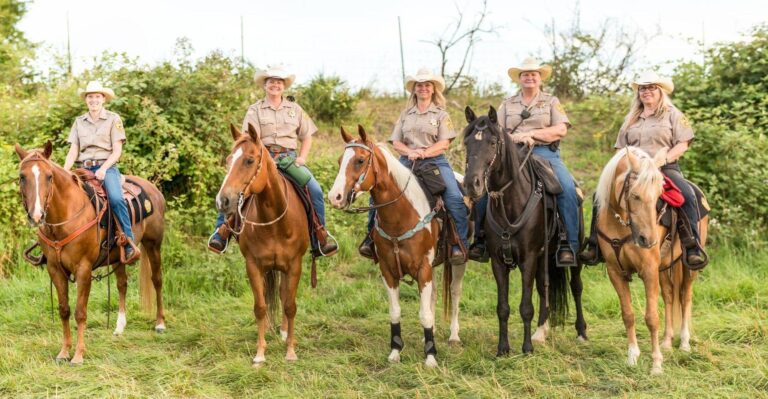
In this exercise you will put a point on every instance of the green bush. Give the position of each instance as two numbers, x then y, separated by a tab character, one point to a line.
326	98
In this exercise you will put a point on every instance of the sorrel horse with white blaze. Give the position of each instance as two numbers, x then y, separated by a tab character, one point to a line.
274	235
499	167
56	202
405	235
626	197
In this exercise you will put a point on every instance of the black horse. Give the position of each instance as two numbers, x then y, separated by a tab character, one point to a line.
501	168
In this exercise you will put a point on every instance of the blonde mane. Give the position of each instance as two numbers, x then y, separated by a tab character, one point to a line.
649	181
401	175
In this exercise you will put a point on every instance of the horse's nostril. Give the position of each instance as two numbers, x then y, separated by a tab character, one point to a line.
338	197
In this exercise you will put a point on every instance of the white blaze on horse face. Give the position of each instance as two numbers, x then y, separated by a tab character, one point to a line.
336	195
235	157
37	211
426	316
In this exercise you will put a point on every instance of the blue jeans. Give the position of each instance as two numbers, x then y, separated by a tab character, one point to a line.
567	201
690	207
115	197
315	194
452	197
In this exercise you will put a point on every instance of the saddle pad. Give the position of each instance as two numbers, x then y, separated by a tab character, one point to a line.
701	200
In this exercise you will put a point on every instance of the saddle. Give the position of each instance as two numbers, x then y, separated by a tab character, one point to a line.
665	209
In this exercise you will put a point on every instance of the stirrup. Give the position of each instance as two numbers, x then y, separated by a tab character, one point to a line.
565	249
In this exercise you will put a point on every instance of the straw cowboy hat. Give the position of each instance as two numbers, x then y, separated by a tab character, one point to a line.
424	75
651	78
530	64
274	72
95	86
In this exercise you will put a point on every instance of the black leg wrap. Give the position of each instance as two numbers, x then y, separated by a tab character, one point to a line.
396	341
429	343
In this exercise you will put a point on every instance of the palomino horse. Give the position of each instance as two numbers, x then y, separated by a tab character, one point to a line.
274	235
497	166
626	197
56	202
405	235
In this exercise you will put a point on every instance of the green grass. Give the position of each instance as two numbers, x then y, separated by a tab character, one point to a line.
342	328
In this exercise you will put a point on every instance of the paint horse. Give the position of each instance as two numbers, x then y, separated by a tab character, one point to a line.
56	202
626	197
405	234
497	166
274	233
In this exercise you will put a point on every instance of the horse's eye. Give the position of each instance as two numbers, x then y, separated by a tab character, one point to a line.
22	179
360	161
635	197
249	161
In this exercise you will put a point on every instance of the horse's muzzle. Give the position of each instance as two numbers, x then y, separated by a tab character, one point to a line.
474	187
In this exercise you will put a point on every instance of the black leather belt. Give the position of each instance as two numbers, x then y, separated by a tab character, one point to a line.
90	163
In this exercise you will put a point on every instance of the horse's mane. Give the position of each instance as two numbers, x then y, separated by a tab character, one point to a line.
649	179
401	175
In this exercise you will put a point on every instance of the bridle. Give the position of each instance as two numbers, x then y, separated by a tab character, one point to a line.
357	187
35	157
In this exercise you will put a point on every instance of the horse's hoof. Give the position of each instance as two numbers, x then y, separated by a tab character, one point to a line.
454	342
685	347
656	370
582	339
502	352
62	360
394	356
160	329
291	357
74	362
258	360
430	362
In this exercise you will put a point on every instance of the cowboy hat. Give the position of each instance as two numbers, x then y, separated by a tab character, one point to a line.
530	64
95	86
651	78
274	72
424	75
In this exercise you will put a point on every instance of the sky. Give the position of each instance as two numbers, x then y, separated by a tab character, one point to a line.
358	40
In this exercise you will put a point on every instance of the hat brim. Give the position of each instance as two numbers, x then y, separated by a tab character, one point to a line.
666	85
107	93
438	82
544	70
261	77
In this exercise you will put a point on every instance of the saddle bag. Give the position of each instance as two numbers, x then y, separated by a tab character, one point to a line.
430	178
544	171
299	174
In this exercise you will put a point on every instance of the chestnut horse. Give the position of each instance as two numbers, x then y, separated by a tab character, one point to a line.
274	235
496	166
56	202
405	235
626	197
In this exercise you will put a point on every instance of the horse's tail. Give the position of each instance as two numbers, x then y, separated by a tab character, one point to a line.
558	294
146	288
272	296
447	281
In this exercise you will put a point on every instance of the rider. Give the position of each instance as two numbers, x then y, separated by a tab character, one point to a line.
655	125
539	120
423	132
282	124
97	139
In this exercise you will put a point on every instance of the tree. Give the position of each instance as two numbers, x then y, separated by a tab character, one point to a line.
15	50
458	36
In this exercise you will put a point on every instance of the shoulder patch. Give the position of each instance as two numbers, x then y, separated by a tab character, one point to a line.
448	123
685	122
119	125
560	108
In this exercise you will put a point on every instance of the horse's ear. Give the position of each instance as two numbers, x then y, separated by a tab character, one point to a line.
493	116
48	149
469	114
235	131
253	133
345	136
361	132
20	152
634	162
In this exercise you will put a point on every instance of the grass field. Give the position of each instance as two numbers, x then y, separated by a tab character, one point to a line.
343	330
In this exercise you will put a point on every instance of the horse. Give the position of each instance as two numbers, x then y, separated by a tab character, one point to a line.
405	236
626	197
274	233
497	166
57	204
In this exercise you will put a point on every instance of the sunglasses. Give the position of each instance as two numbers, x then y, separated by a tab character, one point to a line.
647	88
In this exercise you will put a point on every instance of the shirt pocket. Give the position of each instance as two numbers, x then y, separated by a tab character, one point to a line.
267	124
541	116
512	120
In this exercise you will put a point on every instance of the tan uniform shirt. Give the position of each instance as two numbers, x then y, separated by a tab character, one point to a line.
282	125
419	130
654	133
94	138
545	110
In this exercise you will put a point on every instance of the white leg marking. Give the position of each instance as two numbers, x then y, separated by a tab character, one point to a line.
37	211
685	338
283	335
632	354
337	190
426	316
121	322
258	360
235	156
394	303
430	362
540	335
456	284
394	356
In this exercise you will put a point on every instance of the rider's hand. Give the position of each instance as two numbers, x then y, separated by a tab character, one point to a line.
300	161
101	173
415	154
524	138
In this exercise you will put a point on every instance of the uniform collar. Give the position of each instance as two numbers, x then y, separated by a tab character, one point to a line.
518	98
102	115
283	104
415	109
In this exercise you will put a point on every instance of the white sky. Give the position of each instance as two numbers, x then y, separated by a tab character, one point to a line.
358	40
